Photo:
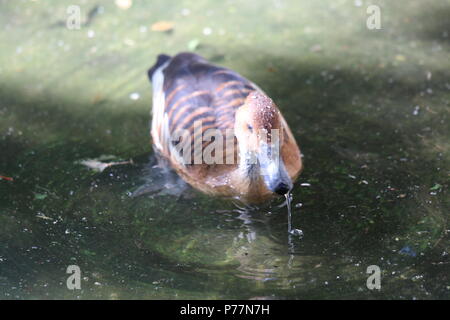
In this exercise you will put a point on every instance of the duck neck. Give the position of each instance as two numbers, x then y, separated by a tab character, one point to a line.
248	173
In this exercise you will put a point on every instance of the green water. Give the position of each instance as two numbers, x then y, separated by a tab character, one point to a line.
369	109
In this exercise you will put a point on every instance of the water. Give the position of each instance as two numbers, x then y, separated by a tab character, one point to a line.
291	231
369	109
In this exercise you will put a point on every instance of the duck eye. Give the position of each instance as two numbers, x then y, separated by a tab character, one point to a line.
249	127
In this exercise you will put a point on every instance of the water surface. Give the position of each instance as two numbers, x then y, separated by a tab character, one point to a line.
369	108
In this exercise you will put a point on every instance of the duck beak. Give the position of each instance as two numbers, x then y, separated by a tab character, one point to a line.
273	171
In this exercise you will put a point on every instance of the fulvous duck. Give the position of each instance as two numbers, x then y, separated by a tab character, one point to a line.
188	90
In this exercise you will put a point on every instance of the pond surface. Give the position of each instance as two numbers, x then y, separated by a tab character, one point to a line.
369	109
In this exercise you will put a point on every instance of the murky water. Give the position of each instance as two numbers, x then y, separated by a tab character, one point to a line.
370	110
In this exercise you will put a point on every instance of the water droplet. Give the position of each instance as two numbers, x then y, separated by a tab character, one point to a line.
296	232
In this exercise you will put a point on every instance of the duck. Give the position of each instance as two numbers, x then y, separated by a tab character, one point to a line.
219	131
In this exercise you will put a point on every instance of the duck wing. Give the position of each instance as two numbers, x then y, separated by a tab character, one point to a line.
195	90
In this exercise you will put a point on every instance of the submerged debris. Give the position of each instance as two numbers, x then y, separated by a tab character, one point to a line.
40	196
407	251
437	186
162	26
40	215
124	4
93	13
97	165
305	184
135	96
296	232
207	31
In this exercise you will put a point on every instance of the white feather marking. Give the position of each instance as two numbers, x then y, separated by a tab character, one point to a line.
159	122
160	119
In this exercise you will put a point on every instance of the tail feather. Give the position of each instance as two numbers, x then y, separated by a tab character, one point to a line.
162	58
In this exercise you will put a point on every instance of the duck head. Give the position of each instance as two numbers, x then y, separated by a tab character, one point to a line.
259	133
